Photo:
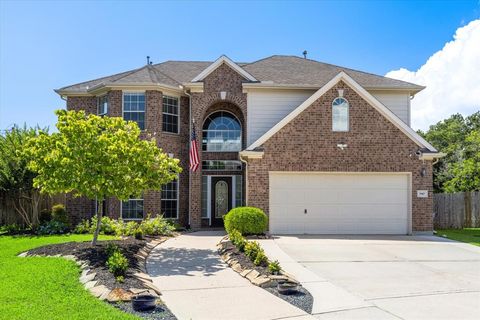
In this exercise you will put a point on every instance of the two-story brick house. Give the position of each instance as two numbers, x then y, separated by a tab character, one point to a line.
320	148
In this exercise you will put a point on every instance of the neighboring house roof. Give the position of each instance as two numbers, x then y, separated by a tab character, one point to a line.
277	71
342	76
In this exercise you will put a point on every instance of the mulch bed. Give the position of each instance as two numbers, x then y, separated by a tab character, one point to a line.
302	299
96	258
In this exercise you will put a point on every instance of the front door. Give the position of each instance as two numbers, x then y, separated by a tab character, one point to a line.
221	199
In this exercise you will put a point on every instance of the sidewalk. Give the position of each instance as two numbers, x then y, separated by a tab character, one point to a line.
197	285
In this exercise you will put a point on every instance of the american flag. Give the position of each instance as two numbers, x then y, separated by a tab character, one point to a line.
193	151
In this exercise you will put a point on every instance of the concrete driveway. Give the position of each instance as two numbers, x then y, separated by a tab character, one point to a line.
383	277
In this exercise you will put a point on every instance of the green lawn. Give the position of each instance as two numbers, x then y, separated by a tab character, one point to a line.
46	288
468	235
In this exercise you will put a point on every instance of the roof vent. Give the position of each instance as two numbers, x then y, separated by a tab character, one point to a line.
148	61
305	54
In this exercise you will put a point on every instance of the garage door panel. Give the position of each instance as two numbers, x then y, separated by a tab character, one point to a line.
339	203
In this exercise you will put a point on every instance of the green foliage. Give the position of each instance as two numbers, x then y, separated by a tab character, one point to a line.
52	227
117	264
16	178
156	226
45	216
247	220
98	157
120	279
252	248
10	229
459	138
138	234
274	267
59	213
238	240
83	227
111	248
261	259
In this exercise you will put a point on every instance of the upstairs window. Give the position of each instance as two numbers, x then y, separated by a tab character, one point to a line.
134	108
222	132
340	110
102	105
170	121
170	200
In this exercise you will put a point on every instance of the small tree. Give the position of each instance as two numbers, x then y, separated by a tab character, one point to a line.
98	157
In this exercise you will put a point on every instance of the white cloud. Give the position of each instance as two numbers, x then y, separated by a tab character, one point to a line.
452	78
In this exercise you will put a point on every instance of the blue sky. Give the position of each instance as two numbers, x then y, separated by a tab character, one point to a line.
47	45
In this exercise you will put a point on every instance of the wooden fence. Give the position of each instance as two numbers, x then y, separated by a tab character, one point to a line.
8	215
456	210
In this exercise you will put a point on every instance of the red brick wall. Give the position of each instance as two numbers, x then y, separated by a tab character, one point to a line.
222	79
307	143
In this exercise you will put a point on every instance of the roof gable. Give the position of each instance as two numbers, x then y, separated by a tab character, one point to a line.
342	76
223	59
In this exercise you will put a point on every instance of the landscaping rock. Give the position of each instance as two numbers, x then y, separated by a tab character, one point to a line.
153	287
86	278
70	257
143	253
279	277
252	275
261	281
142	276
100	290
90	284
237	267
245	272
119	294
137	291
24	254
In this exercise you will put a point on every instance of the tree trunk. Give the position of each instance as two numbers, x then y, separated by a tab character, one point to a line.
99	221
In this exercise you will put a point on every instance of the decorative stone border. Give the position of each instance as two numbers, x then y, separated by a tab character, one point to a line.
87	278
260	280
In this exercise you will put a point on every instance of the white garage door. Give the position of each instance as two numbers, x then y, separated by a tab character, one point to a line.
319	203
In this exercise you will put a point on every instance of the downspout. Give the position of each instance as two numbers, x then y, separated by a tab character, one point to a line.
189	145
246	178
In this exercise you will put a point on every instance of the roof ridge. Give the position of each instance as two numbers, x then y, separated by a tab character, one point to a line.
130	73
104	77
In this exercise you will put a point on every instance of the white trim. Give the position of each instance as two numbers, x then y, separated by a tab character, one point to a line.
432	156
348	113
271	85
342	76
239	123
218	63
144	111
108	104
249	154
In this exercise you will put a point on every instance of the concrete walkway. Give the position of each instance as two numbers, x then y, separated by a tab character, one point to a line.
196	284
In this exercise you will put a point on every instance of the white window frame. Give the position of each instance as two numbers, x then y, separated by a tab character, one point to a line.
144	112
178	115
348	116
132	219
177	199
98	105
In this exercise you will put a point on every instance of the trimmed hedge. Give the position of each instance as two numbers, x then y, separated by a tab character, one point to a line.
246	220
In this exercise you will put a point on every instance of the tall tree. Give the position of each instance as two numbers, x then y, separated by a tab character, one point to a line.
98	157
456	136
16	180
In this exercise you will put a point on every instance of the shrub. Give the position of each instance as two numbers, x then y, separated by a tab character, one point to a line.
247	220
156	226
117	264
138	234
111	249
52	227
120	279
107	226
82	227
261	259
11	229
251	249
59	213
45	216
238	240
274	267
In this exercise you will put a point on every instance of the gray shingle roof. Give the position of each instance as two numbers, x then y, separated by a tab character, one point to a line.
277	70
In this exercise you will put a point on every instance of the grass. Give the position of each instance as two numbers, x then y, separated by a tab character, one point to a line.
468	235
46	288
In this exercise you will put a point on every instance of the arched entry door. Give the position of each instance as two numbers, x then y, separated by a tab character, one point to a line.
221	199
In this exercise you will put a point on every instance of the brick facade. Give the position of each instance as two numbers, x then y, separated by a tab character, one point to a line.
307	143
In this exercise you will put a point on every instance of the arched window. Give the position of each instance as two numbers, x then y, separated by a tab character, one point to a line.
222	132
340	114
